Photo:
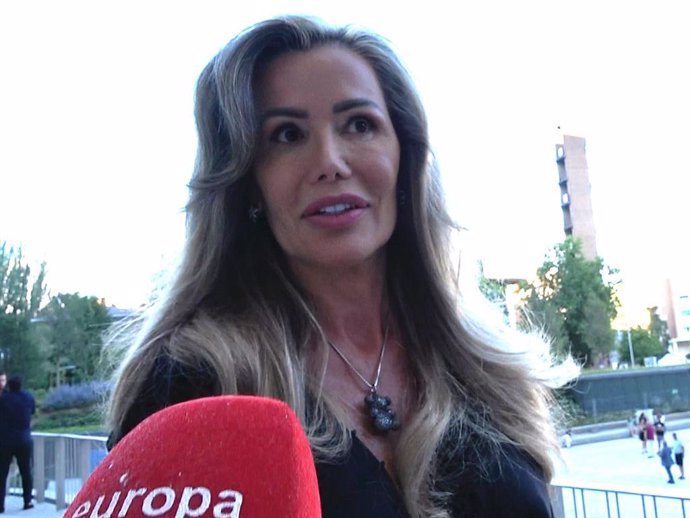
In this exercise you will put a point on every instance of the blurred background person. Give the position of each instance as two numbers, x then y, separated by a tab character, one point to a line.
659	428
16	408
679	454
666	460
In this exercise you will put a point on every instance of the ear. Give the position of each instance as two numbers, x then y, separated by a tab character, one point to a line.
254	194
255	210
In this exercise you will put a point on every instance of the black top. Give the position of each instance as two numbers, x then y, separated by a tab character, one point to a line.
509	485
16	409
480	486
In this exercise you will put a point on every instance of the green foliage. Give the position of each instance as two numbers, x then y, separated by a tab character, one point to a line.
89	419
71	330
658	327
43	343
20	297
542	314
574	300
644	344
597	332
493	290
569	411
608	417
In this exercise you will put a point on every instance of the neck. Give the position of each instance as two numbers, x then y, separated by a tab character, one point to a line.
350	302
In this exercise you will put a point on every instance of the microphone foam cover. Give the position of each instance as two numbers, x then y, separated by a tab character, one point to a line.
220	457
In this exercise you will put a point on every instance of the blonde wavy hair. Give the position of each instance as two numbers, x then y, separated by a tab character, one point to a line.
234	310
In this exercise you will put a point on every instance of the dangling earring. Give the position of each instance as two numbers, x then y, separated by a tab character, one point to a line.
402	198
255	213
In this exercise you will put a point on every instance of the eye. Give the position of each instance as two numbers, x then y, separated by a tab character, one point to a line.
360	125
286	134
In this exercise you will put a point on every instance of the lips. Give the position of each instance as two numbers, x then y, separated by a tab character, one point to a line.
335	205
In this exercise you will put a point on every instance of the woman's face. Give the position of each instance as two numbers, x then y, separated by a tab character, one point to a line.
328	158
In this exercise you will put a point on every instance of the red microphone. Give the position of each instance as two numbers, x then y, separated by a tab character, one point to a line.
219	457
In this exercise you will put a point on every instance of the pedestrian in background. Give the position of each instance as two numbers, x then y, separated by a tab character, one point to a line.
642	431
632	425
3	382
666	460
659	428
679	453
649	428
16	408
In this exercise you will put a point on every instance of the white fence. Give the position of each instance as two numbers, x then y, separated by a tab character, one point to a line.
611	501
62	462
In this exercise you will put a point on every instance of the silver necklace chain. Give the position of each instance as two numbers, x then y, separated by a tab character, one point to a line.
372	386
378	407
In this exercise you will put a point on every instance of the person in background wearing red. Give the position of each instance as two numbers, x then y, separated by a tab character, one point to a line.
649	429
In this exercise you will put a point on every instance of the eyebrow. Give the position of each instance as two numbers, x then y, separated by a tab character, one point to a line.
284	112
338	107
349	104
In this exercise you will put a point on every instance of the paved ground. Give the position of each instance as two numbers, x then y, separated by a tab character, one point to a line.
620	465
13	507
621	462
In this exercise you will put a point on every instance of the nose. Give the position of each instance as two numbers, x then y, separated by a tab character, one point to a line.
328	158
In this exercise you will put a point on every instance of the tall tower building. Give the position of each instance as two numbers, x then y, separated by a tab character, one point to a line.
576	199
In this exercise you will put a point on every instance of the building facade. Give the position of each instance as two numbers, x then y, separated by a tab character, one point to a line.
576	199
678	313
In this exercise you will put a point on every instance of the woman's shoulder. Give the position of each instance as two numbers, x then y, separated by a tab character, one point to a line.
168	382
501	482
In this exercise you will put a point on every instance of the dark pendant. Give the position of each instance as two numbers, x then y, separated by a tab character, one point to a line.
383	417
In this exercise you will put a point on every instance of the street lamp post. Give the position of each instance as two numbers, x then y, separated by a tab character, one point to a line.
630	348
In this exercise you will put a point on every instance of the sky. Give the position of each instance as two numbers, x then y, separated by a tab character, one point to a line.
97	138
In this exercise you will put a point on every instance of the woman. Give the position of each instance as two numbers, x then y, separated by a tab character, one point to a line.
643	422
650	437
659	428
316	271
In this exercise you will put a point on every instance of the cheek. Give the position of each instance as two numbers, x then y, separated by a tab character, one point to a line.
271	186
385	174
277	198
276	204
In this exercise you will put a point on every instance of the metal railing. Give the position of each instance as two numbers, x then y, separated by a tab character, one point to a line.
574	500
61	464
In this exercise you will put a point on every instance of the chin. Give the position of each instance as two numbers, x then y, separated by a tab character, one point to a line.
337	258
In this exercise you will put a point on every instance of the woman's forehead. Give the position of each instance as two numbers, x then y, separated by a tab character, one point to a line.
317	74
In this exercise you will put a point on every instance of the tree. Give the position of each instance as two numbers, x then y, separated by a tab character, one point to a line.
644	344
492	289
596	331
542	314
576	297
71	328
659	328
20	298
